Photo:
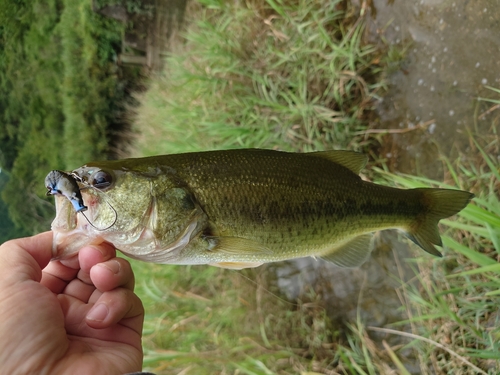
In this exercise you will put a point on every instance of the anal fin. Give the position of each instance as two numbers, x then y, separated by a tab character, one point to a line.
352	253
236	252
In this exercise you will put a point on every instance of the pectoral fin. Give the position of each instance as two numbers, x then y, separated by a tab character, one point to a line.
251	252
352	253
236	246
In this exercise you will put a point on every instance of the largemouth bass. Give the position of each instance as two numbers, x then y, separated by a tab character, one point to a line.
242	208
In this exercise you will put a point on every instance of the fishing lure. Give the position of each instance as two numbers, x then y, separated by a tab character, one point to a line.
62	183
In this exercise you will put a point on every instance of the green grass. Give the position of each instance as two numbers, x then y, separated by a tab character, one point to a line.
453	309
288	75
205	320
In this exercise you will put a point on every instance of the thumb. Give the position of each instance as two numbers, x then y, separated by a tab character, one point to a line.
24	258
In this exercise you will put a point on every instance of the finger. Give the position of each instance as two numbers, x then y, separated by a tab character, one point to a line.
78	289
118	316
59	273
112	274
117	306
60	276
103	277
56	276
39	247
89	256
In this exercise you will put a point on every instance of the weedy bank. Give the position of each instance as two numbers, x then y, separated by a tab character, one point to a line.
294	76
453	309
297	76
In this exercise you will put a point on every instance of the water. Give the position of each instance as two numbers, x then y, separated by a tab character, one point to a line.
453	55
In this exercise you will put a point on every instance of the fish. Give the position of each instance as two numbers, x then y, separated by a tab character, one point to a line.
242	208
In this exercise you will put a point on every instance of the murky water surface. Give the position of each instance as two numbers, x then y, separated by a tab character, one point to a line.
453	55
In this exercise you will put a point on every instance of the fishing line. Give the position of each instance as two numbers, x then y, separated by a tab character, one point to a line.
103	197
101	229
267	290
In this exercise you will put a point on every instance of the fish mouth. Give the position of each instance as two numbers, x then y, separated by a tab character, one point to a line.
70	231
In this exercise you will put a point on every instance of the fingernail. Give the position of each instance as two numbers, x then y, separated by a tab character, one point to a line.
98	313
112	265
96	248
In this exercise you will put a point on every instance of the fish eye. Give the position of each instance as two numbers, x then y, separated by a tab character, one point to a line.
101	179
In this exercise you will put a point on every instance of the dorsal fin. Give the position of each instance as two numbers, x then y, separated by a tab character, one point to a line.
352	160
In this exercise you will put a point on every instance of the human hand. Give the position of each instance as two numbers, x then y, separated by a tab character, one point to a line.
75	316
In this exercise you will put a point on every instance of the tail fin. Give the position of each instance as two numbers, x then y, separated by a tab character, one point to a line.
441	204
